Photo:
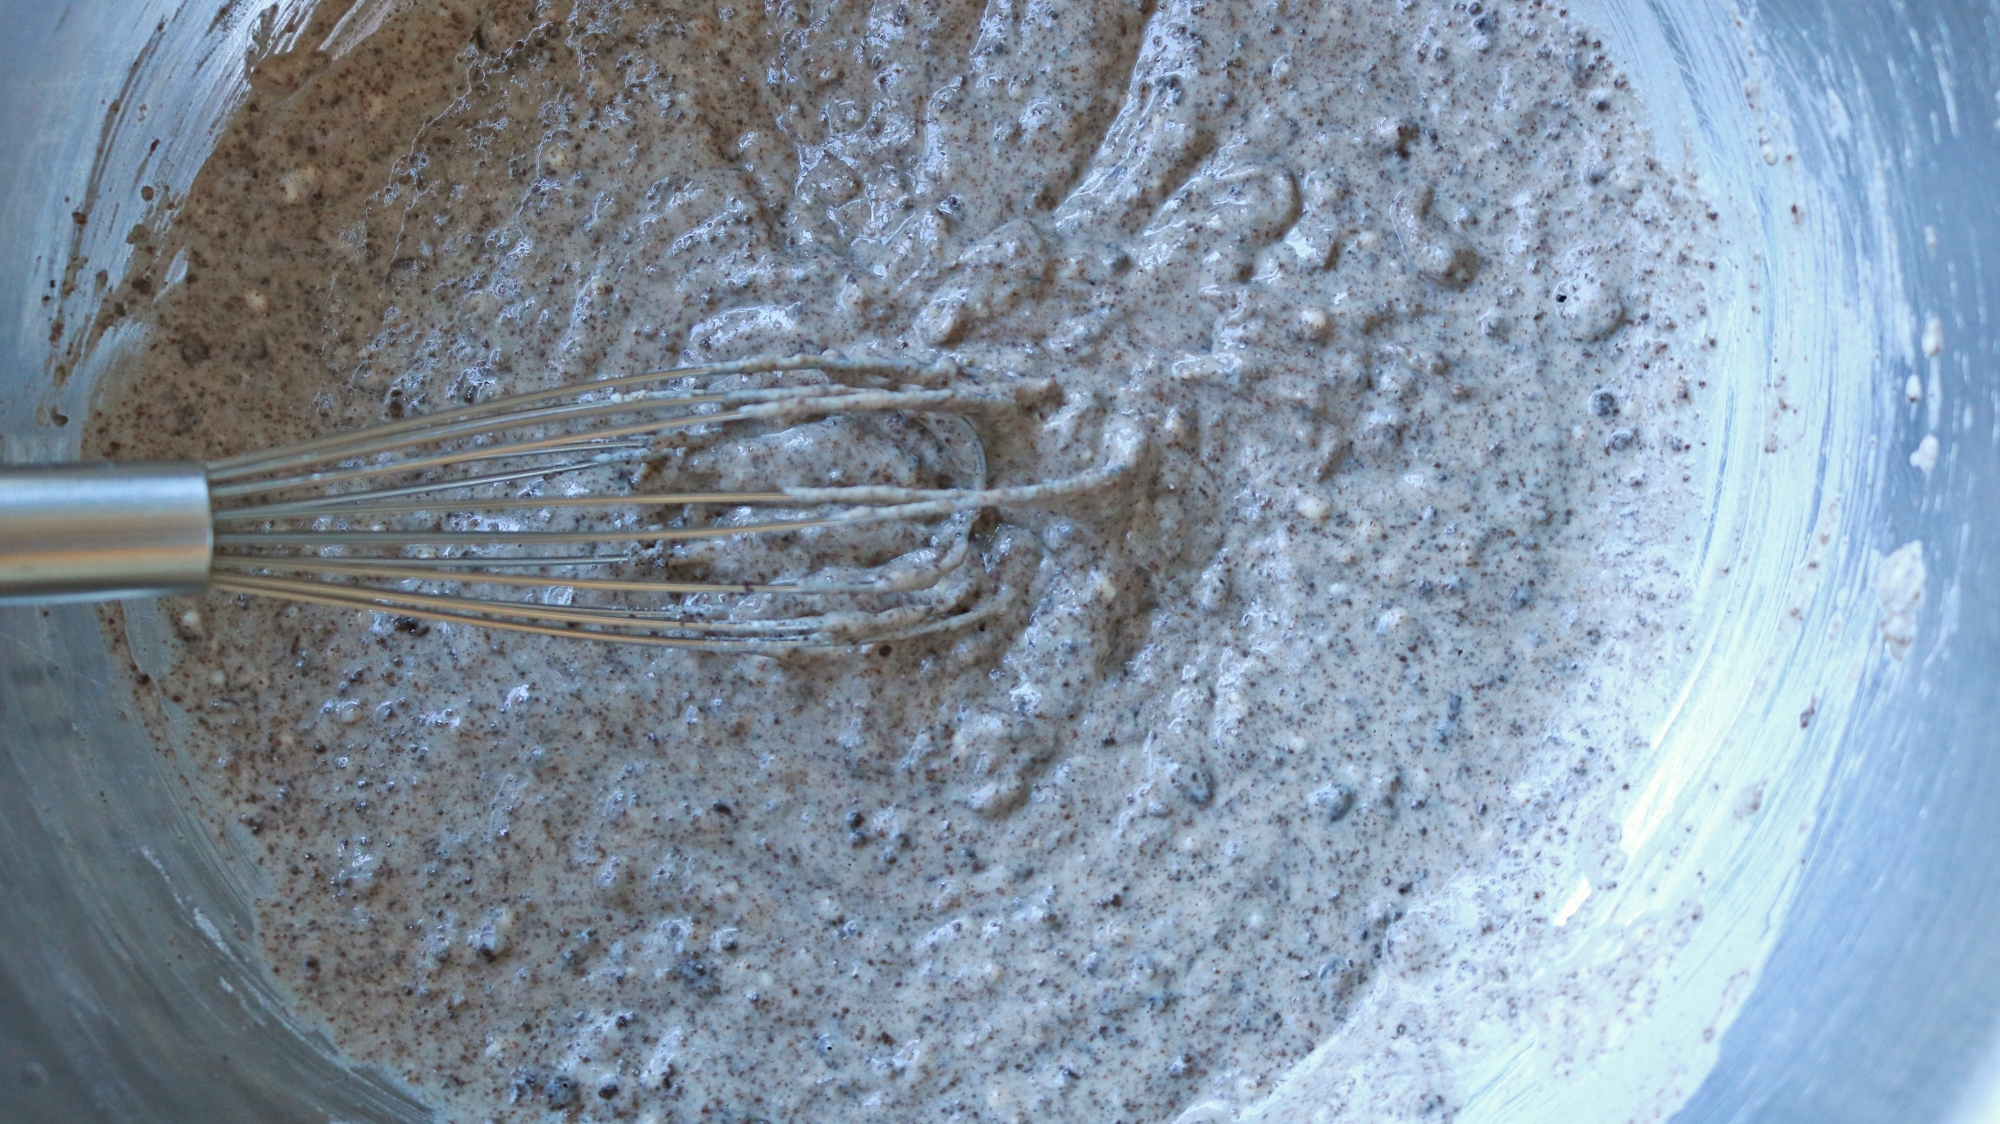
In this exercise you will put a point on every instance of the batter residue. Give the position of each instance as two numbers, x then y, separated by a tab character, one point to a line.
1398	296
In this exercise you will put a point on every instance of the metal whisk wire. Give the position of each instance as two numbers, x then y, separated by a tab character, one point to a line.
358	520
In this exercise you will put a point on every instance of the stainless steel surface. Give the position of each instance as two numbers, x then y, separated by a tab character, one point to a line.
1845	964
1879	999
89	532
360	519
355	520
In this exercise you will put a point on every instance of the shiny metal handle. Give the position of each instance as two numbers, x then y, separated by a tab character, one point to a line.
89	532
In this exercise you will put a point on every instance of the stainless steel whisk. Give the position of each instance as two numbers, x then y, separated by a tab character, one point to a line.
523	512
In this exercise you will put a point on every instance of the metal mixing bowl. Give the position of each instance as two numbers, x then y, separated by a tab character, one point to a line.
1820	805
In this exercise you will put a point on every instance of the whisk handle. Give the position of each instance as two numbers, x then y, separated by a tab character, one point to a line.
91	532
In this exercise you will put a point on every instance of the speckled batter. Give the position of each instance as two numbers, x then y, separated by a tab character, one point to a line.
1399	296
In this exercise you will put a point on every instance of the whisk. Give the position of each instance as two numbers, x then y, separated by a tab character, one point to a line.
543	512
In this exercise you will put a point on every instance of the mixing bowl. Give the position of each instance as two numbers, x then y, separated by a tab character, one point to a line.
1802	926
